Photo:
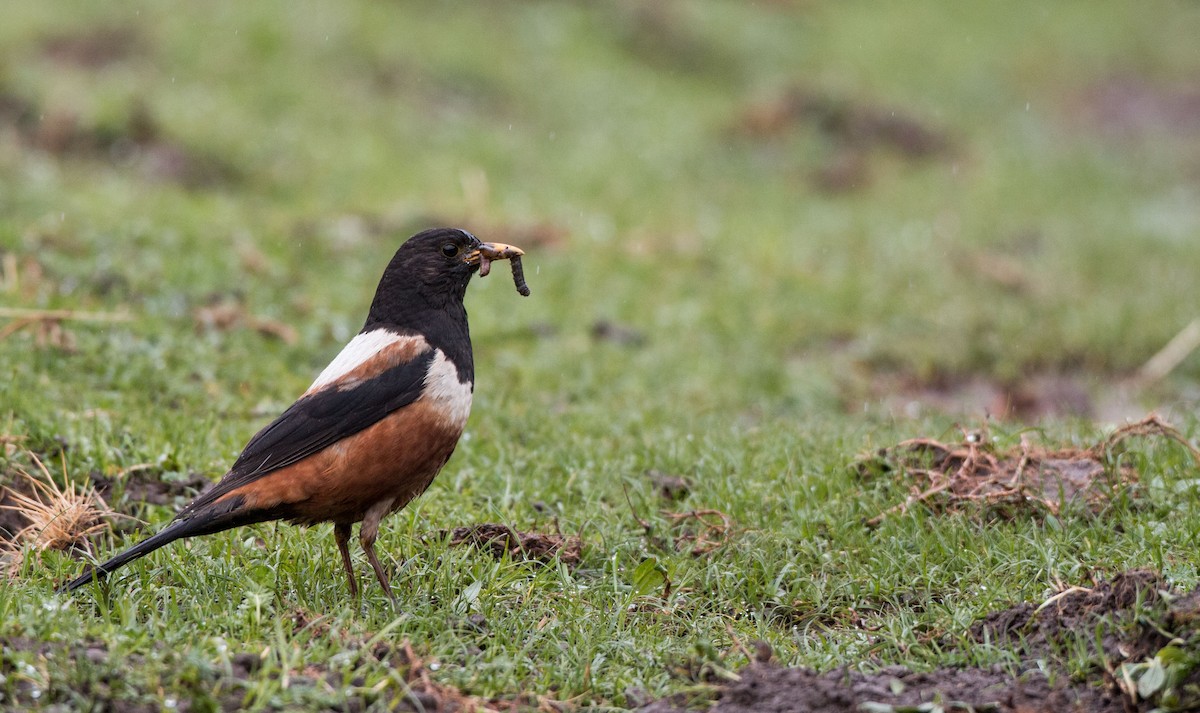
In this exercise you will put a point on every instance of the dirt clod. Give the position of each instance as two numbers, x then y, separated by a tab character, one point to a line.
771	689
93	48
420	692
854	123
12	520
503	540
855	130
604	330
1039	631
1133	616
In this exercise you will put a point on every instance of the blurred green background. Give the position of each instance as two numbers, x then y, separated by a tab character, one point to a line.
768	192
941	191
762	237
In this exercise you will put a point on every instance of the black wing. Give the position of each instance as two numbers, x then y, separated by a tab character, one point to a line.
320	420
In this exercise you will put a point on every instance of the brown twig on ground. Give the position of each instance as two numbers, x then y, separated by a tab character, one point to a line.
1152	425
57	315
716	529
48	322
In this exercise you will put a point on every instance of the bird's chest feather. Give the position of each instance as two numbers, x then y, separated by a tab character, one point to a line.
448	398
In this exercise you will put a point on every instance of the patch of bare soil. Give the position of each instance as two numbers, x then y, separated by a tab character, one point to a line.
1031	397
501	540
99	678
139	486
139	143
855	129
659	34
1143	629
764	688
604	330
1129	106
1109	608
125	492
853	122
1027	479
93	48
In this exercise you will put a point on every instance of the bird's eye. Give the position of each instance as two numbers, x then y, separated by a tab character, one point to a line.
449	249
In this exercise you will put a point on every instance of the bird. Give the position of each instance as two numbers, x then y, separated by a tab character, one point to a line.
375	427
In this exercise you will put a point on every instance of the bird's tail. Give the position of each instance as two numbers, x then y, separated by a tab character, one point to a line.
176	530
223	515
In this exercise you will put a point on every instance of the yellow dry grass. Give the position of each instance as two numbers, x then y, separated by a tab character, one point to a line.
60	517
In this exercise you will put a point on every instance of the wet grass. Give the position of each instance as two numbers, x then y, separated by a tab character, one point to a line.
751	296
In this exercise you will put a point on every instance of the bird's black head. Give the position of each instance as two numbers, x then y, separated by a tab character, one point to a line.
428	277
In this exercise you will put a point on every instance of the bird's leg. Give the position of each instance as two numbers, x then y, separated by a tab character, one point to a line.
366	537
341	535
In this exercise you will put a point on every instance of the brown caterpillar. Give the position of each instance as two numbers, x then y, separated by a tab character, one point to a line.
519	276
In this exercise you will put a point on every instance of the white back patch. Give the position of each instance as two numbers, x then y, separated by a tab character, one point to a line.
361	348
443	389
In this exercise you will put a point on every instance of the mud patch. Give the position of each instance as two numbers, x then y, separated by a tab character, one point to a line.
91	671
1130	106
1143	629
146	485
764	688
501	540
1032	396
94	48
660	35
854	130
12	520
1029	479
604	330
138	142
856	124
1105	614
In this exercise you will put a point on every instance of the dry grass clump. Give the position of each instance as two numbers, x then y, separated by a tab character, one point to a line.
59	517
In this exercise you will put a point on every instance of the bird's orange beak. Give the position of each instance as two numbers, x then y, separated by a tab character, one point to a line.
485	253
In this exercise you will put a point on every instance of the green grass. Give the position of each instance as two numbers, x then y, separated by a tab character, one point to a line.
343	127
